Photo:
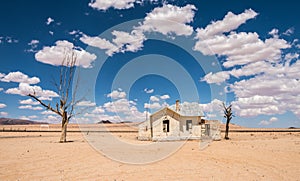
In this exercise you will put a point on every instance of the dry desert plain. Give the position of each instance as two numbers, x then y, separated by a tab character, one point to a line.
246	156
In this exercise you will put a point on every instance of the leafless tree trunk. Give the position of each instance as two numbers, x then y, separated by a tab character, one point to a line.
228	115
66	104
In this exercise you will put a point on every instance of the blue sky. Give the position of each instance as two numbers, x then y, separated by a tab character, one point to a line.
138	56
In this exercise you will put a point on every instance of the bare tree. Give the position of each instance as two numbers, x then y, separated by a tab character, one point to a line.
228	115
66	104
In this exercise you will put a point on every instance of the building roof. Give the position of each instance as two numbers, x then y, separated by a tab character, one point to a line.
183	112
189	109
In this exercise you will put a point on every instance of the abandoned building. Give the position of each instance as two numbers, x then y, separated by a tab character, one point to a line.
168	124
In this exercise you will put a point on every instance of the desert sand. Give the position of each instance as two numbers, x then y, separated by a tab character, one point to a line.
246	156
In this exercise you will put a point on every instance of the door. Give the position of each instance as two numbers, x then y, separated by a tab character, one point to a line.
166	126
188	125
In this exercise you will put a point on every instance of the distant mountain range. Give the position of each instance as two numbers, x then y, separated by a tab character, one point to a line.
10	121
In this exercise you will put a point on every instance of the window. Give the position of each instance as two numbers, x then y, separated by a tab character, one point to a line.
188	125
207	129
166	125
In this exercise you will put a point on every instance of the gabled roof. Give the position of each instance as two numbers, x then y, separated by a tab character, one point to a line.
180	113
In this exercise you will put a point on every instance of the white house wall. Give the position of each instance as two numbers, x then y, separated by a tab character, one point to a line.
159	134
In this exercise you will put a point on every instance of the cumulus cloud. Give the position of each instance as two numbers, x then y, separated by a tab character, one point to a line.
54	55
239	48
24	89
273	92
154	105
119	109
128	41
148	91
170	19
116	4
2	105
86	104
217	78
154	98
230	22
29	102
1	89
117	94
100	43
36	108
270	121
3	113
121	42
19	77
47	112
52	119
289	32
33	45
164	97
98	110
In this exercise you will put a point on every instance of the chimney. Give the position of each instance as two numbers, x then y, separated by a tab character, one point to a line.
177	108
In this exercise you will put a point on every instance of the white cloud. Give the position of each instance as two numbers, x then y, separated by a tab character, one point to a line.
51	33
49	21
148	91
124	109
128	41
230	22
86	103
121	42
154	105
290	56
217	78
1	89
154	99
213	106
273	92
20	78
239	48
116	4
54	55
3	114
117	94
242	48
47	112
25	89
29	102
33	45
36	108
164	97
169	20
271	120
100	43
289	32
52	119
2	105
98	110
274	32
28	117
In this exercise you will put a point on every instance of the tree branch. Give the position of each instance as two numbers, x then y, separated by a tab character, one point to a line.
45	105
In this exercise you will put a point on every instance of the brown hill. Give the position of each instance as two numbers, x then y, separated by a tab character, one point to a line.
10	121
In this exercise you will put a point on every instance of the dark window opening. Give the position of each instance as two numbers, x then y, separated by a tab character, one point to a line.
166	125
188	125
207	129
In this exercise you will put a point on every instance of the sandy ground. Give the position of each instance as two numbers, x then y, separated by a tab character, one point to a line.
247	156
